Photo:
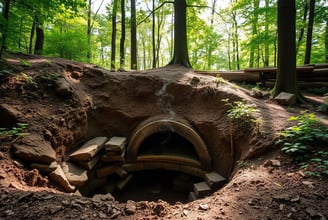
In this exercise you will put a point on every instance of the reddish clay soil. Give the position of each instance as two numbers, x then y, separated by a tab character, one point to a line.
268	186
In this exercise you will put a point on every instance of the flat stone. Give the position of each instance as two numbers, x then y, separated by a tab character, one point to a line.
214	179
114	158
89	165
103	197
285	98
63	87
59	177
33	148
202	189
89	149
116	144
45	168
75	175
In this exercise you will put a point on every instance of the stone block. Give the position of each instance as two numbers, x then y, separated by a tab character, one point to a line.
214	180
45	168
114	158
89	149
33	148
115	144
59	177
75	175
192	196
90	164
285	98
202	189
112	169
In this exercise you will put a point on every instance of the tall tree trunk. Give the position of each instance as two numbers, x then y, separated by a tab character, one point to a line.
180	54
153	35
159	35
133	36
122	41
307	58
39	37
4	28
210	46
254	45
113	43
326	42
300	37
89	32
236	40
266	32
32	35
286	74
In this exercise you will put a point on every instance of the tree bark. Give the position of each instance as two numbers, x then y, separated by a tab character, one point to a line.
113	43
32	35
89	32
6	8
254	45
266	32
133	36
326	42
286	72
122	41
307	58
153	35
39	37
180	54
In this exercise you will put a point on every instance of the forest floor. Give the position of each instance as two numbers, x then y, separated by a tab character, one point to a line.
271	186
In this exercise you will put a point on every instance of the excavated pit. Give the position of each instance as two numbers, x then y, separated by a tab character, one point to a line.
173	128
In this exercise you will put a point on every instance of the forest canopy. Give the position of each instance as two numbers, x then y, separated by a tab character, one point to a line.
221	34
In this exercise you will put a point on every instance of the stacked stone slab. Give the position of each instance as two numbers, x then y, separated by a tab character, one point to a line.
114	150
87	156
212	182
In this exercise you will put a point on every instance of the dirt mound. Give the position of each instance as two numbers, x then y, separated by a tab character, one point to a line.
67	103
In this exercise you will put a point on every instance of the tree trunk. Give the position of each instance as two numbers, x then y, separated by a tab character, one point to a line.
286	72
326	42
89	32
307	58
32	35
133	36
113	43
122	41
266	32
254	45
39	37
4	27
180	54
210	46
300	37
153	35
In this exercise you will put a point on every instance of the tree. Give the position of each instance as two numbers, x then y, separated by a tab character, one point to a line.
4	25
113	44
180	54
307	58
133	36
286	74
122	41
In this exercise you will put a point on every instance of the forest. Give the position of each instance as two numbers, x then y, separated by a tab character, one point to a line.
123	35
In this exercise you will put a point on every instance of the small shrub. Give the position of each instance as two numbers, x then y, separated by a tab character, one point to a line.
240	113
17	131
307	142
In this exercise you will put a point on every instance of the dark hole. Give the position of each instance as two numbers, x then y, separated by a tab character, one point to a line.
167	143
152	185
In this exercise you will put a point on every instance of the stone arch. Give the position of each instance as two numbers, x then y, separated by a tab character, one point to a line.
159	124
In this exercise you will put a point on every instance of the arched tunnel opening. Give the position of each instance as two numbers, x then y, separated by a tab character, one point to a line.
163	158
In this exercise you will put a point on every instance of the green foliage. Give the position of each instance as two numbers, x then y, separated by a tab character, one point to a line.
304	140
17	131
25	62
240	113
323	107
5	73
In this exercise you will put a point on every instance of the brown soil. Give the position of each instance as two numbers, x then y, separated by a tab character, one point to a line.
258	189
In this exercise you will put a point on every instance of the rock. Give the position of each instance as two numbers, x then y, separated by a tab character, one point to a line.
115	144
75	175
202	189
63	88
89	149
214	179
130	207
45	168
103	197
8	115
90	163
34	149
274	163
285	98
308	183
203	207
195	81
282	197
59	177
31	177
